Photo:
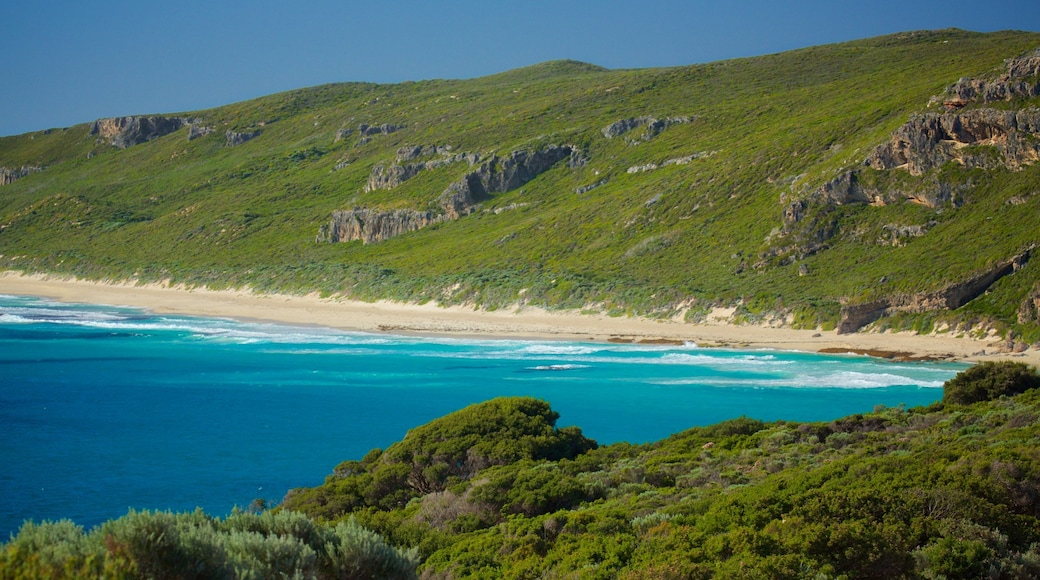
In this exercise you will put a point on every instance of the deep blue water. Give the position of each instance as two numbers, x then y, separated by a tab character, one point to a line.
103	408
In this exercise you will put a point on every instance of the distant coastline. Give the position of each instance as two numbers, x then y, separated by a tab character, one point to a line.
518	323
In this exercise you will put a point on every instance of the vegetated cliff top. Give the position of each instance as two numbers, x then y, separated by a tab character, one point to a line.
851	184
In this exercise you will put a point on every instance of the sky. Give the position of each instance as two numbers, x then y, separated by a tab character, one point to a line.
73	61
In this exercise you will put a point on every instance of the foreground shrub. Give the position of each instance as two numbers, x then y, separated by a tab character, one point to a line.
193	545
990	380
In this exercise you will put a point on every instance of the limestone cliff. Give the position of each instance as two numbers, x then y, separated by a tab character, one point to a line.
9	176
1022	79
233	138
371	226
928	141
499	174
953	296
391	176
496	175
653	125
982	138
123	132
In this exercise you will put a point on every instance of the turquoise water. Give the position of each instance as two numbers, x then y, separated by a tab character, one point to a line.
103	408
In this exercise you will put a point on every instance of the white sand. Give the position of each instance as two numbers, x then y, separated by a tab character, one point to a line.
525	322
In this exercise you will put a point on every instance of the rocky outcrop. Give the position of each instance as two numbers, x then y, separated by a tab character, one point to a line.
685	160
1022	80
232	138
389	177
500	174
372	226
930	140
123	132
367	130
496	175
587	188
653	126
9	176
953	296
1029	310
195	131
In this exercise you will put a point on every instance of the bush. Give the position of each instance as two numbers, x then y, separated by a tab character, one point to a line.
990	380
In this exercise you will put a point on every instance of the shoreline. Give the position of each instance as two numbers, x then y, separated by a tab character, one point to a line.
516	323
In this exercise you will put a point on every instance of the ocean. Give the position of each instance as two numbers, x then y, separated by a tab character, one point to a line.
104	408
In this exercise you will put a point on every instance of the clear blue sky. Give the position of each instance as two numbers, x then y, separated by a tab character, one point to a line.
72	61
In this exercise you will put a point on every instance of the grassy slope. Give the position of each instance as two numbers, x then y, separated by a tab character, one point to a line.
779	125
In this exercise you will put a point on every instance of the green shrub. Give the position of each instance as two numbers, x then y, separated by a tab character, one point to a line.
990	380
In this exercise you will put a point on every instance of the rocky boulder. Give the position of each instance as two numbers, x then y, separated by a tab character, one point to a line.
123	132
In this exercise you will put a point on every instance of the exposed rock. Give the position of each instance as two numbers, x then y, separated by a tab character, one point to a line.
367	130
383	177
9	176
232	138
342	134
1022	80
389	177
1029	310
371	226
411	152
653	126
500	174
930	140
123	132
642	168
591	186
195	131
953	296
894	234
496	175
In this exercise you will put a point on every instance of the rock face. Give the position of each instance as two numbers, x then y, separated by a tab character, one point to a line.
496	175
123	132
653	126
983	138
1020	80
9	176
371	226
389	177
231	138
195	131
384	129
930	140
499	174
856	316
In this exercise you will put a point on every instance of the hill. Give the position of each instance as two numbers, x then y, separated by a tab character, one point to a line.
883	183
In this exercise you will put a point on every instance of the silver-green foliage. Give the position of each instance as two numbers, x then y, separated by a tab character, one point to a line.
145	544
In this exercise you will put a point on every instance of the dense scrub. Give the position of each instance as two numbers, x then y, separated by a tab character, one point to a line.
194	545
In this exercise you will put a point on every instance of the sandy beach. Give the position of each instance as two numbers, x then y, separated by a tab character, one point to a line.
524	322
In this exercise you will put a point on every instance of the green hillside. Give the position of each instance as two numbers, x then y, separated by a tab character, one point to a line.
737	182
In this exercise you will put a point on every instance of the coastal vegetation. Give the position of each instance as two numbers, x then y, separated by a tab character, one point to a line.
496	490
779	185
